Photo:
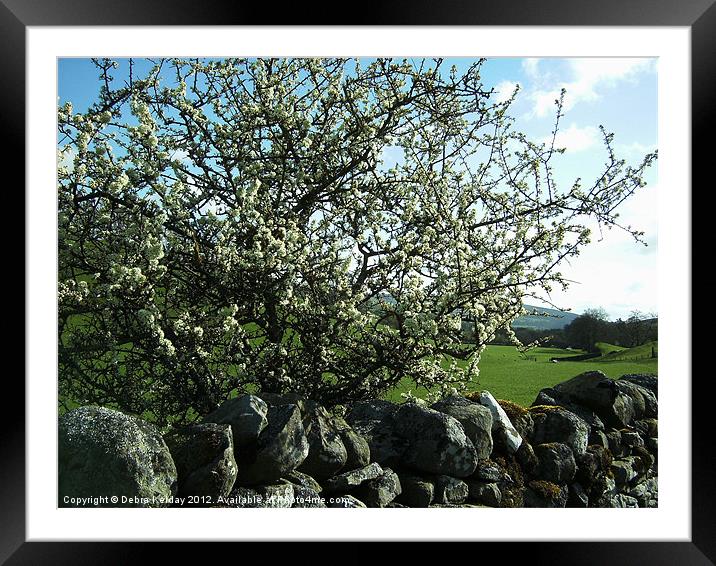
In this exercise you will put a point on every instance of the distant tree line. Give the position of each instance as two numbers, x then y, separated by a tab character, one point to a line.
591	327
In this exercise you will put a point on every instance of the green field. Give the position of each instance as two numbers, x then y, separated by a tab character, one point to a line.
508	375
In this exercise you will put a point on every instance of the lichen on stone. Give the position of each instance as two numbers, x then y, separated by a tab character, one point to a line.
513	410
546	489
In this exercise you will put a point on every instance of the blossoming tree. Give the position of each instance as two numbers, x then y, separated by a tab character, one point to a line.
229	225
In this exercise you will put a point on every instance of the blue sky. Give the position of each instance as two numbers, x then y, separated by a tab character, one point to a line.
613	272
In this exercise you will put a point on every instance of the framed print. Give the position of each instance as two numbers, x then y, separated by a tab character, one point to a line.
267	272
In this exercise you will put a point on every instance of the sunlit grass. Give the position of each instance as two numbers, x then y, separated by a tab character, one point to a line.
509	375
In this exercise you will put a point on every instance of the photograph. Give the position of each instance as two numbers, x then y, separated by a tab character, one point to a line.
284	274
360	282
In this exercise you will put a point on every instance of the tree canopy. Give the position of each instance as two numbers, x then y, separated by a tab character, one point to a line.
232	225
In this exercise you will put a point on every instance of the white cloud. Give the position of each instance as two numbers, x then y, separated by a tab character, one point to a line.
590	72
614	271
588	78
544	102
530	66
635	149
575	139
504	91
601	278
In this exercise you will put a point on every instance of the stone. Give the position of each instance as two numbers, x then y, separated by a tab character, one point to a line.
556	462
368	413
623	471
247	417
475	419
304	480
326	452
599	438
487	471
280	448
614	437
450	490
651	403
549	396
512	495
415	491
352	479
245	497
105	453
577	497
601	492
523	423
526	458
621	500
380	491
204	458
357	448
647	381
644	400
305	497
540	493
588	468
273	399
345	502
590	418
546	397
632	439
641	426
437	442
652	427
501	424
276	496
597	392
646	492
556	424
644	460
487	494
386	448
374	420
603	455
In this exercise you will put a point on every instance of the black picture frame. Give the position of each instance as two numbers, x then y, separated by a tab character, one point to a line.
698	15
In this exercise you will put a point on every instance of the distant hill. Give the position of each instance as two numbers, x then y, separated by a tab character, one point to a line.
546	319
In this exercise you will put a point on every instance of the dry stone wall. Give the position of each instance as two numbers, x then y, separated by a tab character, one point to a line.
587	442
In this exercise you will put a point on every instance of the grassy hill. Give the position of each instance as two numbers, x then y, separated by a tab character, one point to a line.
633	354
606	348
